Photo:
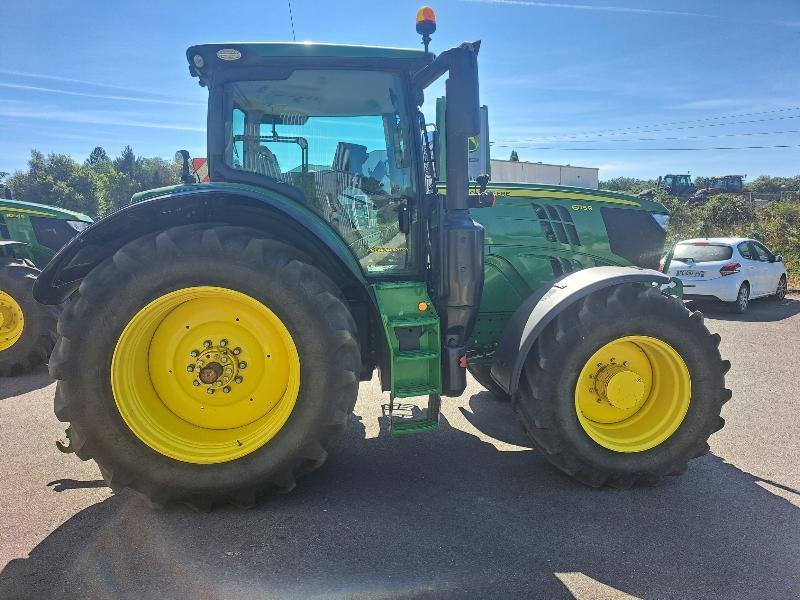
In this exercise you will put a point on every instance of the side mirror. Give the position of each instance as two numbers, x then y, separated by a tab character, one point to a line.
778	258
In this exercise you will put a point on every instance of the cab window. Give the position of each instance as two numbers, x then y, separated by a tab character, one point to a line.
763	254
348	155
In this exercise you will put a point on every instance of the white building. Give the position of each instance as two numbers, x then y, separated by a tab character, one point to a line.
507	171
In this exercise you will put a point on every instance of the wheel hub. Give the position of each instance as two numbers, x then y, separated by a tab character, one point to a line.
12	321
205	374
632	393
619	386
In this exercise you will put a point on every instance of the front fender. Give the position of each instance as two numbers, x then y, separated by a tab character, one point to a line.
541	307
234	204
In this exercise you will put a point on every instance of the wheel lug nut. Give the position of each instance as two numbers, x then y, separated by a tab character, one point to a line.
195	383
194	353
210	391
226	389
238	379
242	365
207	344
237	350
223	343
218	383
613	359
190	368
625	364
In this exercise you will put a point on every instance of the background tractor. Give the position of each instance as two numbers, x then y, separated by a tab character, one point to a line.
215	333
723	184
679	186
30	234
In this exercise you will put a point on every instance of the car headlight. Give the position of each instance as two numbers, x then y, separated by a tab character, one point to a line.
662	220
78	225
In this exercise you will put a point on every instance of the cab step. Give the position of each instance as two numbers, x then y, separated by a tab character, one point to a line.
400	426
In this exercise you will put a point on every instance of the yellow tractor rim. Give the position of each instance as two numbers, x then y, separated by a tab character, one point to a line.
205	374
12	321
633	393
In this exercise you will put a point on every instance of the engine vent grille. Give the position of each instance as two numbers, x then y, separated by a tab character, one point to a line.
556	223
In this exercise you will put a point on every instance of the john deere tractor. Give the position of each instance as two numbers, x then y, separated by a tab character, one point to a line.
215	334
30	234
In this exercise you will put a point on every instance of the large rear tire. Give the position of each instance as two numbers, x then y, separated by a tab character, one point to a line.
625	386
204	364
27	328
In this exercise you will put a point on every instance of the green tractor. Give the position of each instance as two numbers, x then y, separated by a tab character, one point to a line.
215	333
30	235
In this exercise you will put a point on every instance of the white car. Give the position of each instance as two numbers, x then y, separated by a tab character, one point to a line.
729	269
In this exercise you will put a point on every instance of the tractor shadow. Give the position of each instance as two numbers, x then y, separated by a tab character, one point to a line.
761	310
22	384
435	516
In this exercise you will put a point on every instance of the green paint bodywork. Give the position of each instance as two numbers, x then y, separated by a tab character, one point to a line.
518	255
15	224
299	212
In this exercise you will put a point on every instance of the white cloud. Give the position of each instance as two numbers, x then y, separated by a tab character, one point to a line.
594	7
93	118
36	88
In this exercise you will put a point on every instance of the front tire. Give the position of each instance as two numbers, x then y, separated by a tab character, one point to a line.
780	293
625	386
204	364
27	328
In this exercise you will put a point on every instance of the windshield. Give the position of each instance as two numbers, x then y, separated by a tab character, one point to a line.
702	252
347	153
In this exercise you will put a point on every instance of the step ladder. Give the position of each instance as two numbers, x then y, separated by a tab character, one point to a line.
411	326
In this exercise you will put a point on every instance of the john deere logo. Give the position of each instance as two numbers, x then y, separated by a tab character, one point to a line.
473	143
229	54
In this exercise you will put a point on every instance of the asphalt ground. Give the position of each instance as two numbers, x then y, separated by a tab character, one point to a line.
470	511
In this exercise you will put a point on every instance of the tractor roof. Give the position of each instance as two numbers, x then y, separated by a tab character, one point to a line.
248	54
42	210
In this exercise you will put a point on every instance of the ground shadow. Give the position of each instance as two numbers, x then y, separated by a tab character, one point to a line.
436	516
22	384
761	310
62	485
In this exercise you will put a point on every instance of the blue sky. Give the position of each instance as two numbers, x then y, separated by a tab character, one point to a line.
617	76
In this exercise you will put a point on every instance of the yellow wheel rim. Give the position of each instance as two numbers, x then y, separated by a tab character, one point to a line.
205	375
633	393
12	321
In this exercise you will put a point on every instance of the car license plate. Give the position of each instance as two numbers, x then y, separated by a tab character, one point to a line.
690	273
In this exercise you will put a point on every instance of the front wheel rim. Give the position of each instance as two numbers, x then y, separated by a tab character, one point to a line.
633	393
781	288
12	321
205	375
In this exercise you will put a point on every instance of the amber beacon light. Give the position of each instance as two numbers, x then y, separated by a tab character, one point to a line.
426	24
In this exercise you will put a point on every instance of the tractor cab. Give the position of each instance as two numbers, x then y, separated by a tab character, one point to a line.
727	184
678	184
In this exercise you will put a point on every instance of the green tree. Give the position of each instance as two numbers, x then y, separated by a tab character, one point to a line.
58	180
97	156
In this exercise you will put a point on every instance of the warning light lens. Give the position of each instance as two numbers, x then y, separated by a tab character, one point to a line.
426	21
422	306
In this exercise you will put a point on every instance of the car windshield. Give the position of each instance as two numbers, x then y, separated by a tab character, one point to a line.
702	252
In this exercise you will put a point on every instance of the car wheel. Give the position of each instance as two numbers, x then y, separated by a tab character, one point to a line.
780	293
742	299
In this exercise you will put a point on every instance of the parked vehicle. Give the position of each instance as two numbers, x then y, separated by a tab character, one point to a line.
723	184
680	186
30	235
733	270
216	332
